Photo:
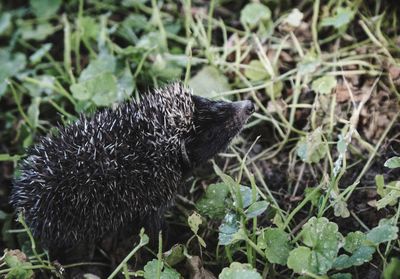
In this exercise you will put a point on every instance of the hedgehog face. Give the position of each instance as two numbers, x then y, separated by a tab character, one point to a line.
216	124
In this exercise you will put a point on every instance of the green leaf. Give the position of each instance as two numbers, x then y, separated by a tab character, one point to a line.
357	244
308	64
175	255
5	22
354	240
340	208
256	71
239	271
125	85
170	273
324	239
393	163
17	261
20	272
254	14
342	17
150	271
209	82
152	41
256	209
274	90
11	64
311	149
98	82
194	222
38	32
242	195
300	260
144	238
212	203
102	89
391	196
44	85
89	27
33	111
276	244
165	69
384	232
136	22
45	8
324	85
360	256
315	196
278	221
104	63
246	196
133	25
392	270
13	258
294	18
229	229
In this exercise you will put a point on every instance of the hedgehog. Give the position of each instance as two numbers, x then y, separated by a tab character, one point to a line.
121	166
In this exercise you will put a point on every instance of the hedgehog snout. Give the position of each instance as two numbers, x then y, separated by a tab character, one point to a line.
245	109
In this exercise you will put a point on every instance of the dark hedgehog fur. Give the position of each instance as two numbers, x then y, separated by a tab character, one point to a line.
105	171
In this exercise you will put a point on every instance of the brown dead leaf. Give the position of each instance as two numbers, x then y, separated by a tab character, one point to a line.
17	253
394	74
278	106
347	91
342	93
196	269
286	57
303	32
377	114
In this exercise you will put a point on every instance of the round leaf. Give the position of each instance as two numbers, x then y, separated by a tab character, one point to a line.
254	13
311	149
239	271
228	229
256	71
294	18
213	202
353	241
324	85
300	260
324	239
276	244
45	8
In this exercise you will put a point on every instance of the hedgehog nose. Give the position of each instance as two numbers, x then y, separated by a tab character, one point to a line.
245	108
249	107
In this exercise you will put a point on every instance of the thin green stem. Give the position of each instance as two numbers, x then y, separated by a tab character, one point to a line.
314	27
